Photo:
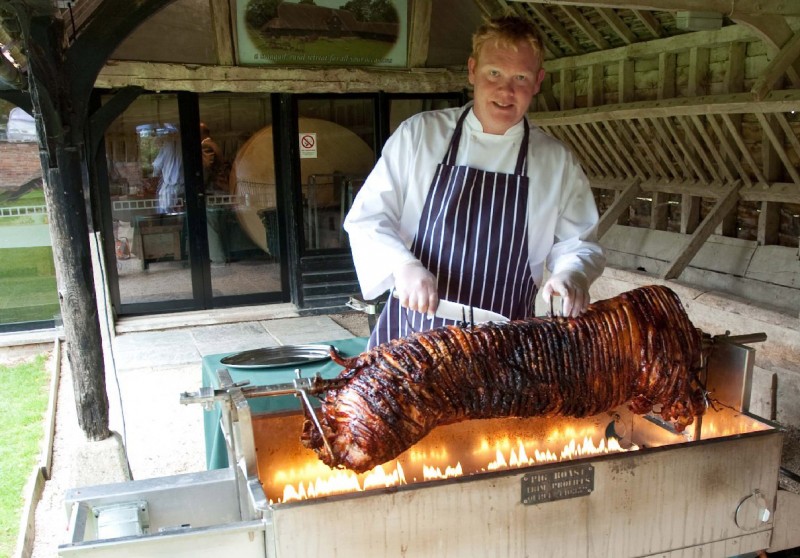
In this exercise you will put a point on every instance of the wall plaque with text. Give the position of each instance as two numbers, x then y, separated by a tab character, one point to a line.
557	484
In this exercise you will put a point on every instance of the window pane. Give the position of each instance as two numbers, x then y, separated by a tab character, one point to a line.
239	179
336	155
28	291
146	181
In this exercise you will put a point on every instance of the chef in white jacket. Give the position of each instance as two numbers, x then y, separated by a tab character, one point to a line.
470	204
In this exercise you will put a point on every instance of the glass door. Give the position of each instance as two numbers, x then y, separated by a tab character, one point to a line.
244	240
337	151
147	187
192	229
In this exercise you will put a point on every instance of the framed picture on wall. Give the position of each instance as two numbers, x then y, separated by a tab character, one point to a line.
322	32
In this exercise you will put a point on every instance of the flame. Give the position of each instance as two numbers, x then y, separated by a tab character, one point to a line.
314	479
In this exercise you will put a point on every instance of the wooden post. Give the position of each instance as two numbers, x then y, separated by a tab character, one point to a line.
62	162
61	80
69	233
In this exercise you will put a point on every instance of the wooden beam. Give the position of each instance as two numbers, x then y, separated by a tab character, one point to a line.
586	28
778	192
774	30
268	79
222	25
620	206
543	13
739	103
724	205
659	211
777	144
419	33
617	25
737	138
662	154
489	8
594	91
768	223
651	49
622	138
665	139
613	148
545	96
777	68
789	133
718	162
690	213
667	66
566	87
575	141
698	72
650	158
730	153
731	9
688	153
734	76
579	140
625	84
600	151
650	22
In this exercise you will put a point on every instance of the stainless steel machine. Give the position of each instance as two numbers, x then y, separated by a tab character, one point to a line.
616	484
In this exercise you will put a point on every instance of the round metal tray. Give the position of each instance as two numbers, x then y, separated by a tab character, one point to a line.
275	357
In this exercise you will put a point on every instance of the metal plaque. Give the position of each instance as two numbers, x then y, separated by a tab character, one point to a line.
557	484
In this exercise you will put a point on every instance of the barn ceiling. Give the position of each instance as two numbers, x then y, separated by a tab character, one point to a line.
688	98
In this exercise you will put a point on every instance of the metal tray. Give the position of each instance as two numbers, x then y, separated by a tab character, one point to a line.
275	357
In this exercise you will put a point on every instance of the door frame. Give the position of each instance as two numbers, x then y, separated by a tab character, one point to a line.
197	237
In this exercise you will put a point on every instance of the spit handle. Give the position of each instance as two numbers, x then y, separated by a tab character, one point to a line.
742	339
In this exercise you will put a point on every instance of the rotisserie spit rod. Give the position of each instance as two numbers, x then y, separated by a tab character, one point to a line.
639	347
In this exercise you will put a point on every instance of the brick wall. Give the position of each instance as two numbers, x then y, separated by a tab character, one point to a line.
19	162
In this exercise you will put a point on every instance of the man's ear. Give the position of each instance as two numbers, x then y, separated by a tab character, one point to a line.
471	65
539	79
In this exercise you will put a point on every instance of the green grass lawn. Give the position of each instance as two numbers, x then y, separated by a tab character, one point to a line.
28	289
23	399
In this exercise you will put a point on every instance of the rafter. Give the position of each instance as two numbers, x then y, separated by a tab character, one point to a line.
724	205
586	28
616	23
731	9
777	67
650	22
621	204
555	26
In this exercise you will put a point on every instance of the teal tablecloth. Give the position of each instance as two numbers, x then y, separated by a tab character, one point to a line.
216	451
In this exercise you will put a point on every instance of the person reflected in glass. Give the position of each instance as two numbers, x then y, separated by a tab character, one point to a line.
168	168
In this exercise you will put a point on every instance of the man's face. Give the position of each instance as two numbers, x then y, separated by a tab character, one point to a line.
504	80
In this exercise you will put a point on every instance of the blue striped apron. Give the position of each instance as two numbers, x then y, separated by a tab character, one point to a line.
473	236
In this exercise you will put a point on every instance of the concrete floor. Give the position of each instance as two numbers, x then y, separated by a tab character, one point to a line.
149	363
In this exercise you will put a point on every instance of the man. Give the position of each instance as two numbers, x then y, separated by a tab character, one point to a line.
470	204
168	166
212	161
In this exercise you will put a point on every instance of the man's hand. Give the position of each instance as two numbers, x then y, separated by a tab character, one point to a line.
415	287
573	287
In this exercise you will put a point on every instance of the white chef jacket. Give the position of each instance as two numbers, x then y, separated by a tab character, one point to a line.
383	220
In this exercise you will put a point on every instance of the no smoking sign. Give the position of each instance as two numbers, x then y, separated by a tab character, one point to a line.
308	145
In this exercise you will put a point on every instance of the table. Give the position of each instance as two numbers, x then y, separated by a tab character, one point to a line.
216	450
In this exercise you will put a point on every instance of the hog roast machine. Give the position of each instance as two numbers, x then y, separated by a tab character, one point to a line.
616	484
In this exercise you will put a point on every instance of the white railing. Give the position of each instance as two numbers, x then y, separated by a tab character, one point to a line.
22	210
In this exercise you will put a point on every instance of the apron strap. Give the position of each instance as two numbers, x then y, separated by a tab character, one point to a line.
522	158
452	151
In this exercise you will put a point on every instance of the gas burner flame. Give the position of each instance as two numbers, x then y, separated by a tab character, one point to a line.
318	481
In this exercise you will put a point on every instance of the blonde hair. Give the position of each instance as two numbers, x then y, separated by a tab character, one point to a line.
507	31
